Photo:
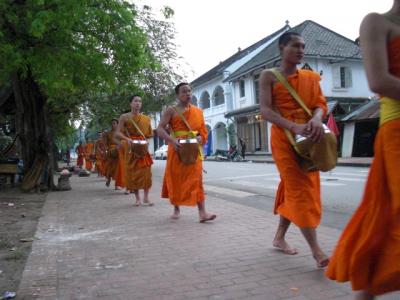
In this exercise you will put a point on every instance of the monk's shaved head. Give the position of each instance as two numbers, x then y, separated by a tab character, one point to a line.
285	38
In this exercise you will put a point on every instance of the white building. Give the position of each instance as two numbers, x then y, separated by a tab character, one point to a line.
229	92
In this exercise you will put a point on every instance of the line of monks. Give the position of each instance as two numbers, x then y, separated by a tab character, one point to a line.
368	252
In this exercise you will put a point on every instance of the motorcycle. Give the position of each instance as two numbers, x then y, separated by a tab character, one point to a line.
228	155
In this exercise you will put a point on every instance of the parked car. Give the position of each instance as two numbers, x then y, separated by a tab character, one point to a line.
161	152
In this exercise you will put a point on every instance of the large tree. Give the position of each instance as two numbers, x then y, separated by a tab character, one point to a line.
58	54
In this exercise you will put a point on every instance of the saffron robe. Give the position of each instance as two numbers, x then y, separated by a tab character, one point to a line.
183	184
298	198
112	156
368	252
80	151
138	170
89	151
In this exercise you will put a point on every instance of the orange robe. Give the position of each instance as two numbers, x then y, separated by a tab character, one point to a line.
298	197
89	150
368	252
80	151
100	150
112	156
183	184
120	172
138	170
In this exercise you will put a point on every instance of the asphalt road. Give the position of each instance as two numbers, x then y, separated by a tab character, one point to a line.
255	184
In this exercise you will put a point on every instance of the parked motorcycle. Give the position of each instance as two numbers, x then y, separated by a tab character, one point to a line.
228	155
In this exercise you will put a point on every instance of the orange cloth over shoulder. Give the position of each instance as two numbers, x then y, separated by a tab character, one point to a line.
368	252
298	196
80	151
89	150
138	170
100	150
183	184
112	155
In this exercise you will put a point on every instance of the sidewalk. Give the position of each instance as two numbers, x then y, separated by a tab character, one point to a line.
94	244
348	161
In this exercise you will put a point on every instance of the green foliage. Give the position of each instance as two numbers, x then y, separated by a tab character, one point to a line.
88	56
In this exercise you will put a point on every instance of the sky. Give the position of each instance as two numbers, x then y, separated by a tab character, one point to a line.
209	31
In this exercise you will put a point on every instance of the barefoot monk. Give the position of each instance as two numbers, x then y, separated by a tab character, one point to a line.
298	198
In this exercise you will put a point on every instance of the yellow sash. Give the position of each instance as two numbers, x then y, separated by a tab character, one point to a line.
390	110
190	134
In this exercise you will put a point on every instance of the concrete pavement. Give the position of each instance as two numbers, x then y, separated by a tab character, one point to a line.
94	244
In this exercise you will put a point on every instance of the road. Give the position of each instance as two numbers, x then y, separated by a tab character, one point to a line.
255	184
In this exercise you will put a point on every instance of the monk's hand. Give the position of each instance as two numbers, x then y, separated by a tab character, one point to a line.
315	129
299	129
176	144
199	139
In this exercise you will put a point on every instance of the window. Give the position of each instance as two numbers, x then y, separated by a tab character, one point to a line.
257	89
242	89
342	77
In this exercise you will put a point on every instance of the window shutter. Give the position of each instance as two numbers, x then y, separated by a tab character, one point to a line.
348	78
336	77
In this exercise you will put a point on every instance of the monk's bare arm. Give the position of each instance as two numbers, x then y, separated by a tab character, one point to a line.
161	129
121	125
374	37
267	112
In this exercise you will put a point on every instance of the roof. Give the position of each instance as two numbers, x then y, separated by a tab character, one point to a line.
320	42
369	110
219	69
243	111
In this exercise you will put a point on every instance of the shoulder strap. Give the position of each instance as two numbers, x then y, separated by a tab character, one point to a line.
137	127
182	117
291	90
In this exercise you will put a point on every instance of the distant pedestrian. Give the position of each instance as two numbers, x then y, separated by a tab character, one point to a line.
368	252
242	147
298	197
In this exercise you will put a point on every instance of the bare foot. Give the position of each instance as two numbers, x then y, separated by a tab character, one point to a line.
207	217
147	202
281	244
176	214
108	182
138	202
322	259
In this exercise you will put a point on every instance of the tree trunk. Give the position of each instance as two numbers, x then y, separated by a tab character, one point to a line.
31	122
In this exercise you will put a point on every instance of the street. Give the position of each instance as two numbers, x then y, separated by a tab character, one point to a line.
255	185
93	243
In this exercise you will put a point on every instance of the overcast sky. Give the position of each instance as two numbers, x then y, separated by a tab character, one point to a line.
209	31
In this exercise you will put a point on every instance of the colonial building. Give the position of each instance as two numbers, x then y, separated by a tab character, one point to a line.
229	93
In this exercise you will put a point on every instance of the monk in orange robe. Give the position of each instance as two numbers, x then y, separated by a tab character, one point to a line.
89	152
100	150
120	172
298	198
134	126
112	156
80	151
183	184
368	252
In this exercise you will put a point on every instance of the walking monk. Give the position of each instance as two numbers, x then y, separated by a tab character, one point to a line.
89	152
134	126
100	150
112	152
183	184
368	253
80	151
298	197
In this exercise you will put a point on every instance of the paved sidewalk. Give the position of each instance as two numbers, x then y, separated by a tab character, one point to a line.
94	244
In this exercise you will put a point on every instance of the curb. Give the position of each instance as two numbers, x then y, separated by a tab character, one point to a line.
262	161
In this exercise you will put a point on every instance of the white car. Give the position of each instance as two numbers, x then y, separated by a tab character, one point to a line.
161	153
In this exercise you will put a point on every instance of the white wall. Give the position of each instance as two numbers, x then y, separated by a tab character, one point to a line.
359	86
348	139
